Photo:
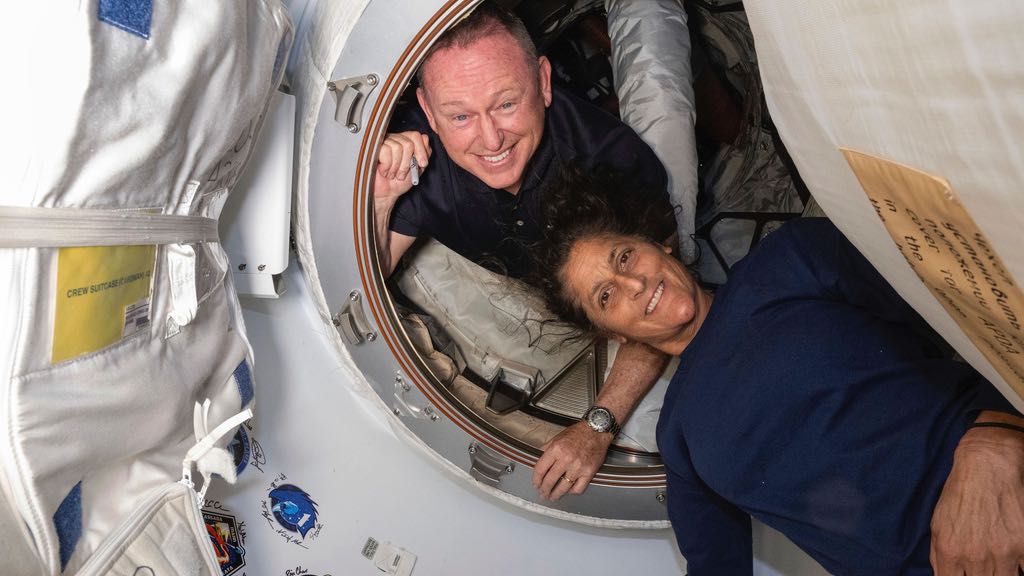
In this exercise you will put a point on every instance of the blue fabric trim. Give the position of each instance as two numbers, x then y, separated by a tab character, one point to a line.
68	522
243	378
133	16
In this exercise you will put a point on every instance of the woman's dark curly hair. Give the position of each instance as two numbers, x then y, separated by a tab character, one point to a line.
584	203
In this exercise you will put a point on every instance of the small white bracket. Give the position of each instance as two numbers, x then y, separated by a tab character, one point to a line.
388	558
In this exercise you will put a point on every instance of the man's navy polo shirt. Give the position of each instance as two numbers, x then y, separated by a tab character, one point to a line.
493	227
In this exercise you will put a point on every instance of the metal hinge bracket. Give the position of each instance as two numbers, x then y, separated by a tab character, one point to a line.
351	321
350	95
488	466
402	406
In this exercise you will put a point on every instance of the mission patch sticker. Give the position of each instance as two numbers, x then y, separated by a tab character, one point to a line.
227	541
291	512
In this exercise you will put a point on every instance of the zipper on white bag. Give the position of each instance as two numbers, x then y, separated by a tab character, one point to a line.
116	544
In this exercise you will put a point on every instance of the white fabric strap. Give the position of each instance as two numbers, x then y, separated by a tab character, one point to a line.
181	269
37	227
205	454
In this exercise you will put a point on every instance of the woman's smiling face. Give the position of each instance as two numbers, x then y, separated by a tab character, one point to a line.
633	289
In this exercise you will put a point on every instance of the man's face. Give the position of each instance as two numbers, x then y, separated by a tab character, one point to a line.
487	105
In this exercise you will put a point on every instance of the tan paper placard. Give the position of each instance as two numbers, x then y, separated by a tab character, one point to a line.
952	257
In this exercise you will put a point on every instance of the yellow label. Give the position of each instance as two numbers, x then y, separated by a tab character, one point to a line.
103	295
948	251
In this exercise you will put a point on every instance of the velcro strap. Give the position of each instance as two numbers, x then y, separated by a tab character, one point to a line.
38	227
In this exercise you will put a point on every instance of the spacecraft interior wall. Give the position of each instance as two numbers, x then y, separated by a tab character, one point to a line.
376	47
130	123
903	123
358	481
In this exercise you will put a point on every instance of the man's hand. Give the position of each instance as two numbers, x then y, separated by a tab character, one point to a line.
390	181
978	522
394	160
570	461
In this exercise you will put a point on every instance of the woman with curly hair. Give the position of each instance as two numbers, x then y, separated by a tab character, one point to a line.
809	395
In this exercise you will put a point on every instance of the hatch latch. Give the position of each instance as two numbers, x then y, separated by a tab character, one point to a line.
351	321
488	466
350	94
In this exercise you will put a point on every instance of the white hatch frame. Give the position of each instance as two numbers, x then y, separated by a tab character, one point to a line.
334	236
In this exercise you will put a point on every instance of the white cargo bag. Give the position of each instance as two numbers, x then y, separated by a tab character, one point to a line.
127	124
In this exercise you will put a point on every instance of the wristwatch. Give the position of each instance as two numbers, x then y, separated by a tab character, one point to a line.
601	419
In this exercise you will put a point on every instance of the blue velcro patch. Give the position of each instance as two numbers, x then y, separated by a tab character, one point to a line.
244	380
68	522
133	16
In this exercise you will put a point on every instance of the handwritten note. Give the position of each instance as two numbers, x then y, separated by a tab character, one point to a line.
951	256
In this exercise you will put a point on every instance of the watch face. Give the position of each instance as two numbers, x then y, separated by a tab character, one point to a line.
600	419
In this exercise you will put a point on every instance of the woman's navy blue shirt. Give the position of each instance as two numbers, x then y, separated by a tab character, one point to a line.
816	400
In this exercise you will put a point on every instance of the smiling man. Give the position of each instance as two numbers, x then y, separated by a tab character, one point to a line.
489	135
490	132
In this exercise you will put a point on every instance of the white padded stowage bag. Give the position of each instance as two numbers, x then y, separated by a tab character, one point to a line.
490	317
126	124
922	91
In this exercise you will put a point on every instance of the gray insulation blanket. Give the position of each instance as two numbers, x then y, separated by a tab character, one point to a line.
654	83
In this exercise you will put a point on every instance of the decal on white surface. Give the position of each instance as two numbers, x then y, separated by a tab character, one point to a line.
370	548
300	571
227	537
257	458
951	256
240	450
291	512
136	317
388	558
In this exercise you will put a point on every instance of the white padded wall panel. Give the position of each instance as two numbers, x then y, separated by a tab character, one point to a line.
936	86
